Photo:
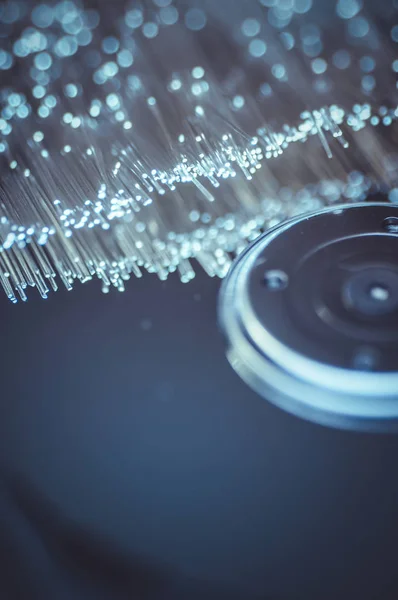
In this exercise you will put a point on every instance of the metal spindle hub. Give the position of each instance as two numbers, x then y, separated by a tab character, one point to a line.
310	314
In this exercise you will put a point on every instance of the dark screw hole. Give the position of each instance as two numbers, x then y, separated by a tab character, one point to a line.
276	280
390	224
365	359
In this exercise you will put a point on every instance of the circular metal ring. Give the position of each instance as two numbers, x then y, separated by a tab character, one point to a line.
310	316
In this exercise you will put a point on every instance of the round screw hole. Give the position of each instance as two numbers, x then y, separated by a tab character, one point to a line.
390	224
276	280
365	359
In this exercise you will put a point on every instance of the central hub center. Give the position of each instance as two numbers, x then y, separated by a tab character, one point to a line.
372	291
379	293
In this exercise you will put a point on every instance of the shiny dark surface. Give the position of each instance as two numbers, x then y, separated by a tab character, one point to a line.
326	312
137	443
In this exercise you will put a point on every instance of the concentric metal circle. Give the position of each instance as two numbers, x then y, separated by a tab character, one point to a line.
310	315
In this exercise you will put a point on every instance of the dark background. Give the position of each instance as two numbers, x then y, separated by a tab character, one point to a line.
136	464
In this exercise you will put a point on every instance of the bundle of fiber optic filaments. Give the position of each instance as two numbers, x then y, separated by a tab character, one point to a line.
165	135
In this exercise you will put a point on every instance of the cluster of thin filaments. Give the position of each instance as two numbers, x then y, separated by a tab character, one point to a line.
141	138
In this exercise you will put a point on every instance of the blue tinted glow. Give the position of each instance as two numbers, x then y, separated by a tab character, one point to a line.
341	59
134	18
367	64
150	30
251	27
393	195
110	45
358	27
257	48
84	37
10	13
195	19
43	16
347	9
6	60
125	58
168	15
302	6
319	66
43	61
